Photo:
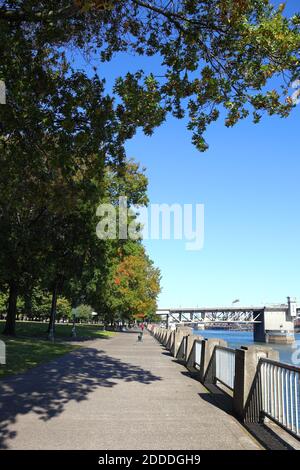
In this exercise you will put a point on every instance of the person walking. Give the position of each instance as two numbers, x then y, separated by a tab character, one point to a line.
142	326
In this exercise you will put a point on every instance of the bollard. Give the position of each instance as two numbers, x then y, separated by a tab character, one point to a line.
246	361
180	332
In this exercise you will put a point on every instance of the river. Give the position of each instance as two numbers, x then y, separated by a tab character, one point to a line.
290	354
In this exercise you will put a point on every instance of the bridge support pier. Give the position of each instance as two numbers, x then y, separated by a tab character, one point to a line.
276	324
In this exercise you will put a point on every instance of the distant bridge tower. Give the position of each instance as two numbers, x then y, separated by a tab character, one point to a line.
277	323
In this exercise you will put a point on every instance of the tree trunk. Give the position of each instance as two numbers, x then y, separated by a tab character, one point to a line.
51	328
28	305
10	324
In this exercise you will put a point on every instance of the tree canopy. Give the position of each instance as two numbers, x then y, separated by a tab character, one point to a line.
238	55
63	134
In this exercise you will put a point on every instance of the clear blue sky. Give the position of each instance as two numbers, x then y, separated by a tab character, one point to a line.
249	181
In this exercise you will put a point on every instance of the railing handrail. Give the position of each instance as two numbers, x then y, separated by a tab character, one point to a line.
284	409
225	348
226	373
274	390
282	365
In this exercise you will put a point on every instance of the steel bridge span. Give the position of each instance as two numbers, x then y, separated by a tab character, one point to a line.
211	315
271	323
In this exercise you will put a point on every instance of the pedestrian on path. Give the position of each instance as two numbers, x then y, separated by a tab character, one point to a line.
140	337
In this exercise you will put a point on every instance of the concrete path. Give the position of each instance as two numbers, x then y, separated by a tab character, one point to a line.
114	394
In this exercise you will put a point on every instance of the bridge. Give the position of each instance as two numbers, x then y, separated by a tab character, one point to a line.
271	323
211	315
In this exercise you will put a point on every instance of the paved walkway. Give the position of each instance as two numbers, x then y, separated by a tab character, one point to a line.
114	394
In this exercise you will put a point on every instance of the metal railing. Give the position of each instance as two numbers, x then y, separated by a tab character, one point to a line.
275	389
276	394
198	352
225	366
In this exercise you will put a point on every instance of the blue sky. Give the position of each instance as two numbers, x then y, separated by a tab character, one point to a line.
249	182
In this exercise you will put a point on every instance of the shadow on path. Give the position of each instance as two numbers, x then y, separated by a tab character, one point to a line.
46	389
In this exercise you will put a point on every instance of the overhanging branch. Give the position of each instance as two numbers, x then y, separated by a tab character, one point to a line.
39	16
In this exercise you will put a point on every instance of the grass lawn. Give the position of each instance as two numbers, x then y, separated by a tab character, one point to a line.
24	353
29	348
34	329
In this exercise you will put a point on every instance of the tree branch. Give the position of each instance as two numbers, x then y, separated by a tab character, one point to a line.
174	17
38	16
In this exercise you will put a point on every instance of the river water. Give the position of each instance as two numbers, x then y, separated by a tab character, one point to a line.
290	354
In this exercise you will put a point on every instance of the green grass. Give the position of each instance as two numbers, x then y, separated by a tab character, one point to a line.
62	331
30	349
24	353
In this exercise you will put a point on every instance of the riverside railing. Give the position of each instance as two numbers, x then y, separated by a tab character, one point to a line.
198	351
225	366
275	394
261	386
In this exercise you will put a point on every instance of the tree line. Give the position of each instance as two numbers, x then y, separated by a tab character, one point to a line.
63	135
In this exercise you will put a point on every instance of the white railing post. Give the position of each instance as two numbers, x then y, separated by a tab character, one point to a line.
225	366
279	388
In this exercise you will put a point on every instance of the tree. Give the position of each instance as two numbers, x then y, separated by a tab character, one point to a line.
55	143
3	303
84	312
40	306
134	285
62	135
99	257
214	54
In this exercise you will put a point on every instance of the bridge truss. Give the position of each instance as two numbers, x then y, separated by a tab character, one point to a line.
211	315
